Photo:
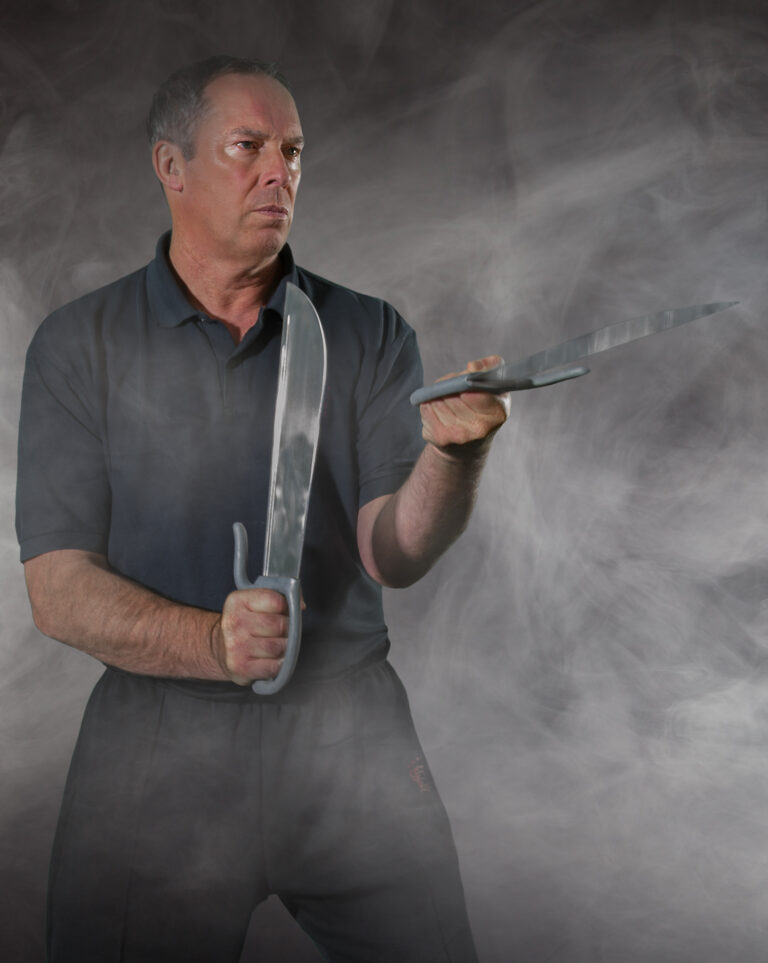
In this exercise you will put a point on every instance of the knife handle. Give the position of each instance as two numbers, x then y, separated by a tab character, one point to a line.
288	587
485	381
451	386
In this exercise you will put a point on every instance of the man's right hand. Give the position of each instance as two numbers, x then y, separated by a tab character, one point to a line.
249	639
78	599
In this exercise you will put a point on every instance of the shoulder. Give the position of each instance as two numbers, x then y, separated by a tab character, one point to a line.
83	319
371	348
353	315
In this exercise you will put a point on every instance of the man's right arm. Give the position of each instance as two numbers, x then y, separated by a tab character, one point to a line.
77	599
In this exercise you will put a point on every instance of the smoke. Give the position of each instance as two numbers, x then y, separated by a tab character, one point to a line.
587	665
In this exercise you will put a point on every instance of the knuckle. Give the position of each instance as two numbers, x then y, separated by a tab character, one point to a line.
230	626
268	625
274	648
271	600
264	647
477	427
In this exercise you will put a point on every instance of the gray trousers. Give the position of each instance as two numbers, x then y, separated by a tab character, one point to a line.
188	805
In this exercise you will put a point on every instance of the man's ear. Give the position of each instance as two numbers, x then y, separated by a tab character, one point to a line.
168	162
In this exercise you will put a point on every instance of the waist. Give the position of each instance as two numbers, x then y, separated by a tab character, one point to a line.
300	688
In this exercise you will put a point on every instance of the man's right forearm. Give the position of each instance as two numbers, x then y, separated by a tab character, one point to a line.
77	599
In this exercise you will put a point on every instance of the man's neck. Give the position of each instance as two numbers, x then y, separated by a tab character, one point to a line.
231	293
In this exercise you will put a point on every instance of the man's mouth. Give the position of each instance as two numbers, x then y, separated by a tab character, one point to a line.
276	211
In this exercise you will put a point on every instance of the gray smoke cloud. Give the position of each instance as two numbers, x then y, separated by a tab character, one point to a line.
587	665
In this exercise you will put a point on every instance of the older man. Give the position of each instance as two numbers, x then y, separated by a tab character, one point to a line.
145	431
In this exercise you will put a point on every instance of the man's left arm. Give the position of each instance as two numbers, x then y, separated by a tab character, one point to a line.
401	536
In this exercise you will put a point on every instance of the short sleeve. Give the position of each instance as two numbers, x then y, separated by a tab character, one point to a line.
62	493
389	428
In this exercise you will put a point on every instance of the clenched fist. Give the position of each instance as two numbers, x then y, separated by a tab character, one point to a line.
249	639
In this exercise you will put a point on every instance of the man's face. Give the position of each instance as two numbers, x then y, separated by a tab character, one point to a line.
240	187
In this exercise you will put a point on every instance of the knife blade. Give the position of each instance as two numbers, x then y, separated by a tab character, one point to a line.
536	370
300	390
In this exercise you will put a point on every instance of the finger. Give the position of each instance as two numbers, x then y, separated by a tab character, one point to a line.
264	648
484	364
487	407
260	625
262	600
255	659
479	364
253	671
240	622
258	669
466	406
470	416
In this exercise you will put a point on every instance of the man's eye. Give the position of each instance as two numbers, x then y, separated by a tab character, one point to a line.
248	144
292	151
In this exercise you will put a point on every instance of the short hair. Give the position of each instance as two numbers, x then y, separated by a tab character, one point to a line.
179	103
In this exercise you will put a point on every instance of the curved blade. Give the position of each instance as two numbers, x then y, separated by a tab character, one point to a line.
517	375
297	424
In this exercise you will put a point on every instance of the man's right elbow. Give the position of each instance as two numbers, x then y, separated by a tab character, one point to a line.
41	618
57	584
42	615
40	574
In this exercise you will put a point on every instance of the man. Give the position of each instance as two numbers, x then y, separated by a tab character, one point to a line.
145	431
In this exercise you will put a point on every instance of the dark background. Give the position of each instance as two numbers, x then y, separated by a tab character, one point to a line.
588	665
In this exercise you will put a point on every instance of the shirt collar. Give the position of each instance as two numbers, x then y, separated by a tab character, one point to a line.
168	303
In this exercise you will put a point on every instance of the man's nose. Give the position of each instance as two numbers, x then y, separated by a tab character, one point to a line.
276	172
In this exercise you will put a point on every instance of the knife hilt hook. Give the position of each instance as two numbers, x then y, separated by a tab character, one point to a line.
241	556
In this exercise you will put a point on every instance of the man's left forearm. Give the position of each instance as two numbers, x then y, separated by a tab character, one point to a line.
413	527
401	536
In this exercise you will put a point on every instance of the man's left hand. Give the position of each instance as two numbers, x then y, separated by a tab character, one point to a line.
470	418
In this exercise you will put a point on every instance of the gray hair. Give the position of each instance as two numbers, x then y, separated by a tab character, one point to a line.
179	103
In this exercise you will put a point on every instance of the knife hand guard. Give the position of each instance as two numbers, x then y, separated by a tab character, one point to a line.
287	587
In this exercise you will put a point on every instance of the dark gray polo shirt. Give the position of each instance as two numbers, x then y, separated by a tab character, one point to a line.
146	432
